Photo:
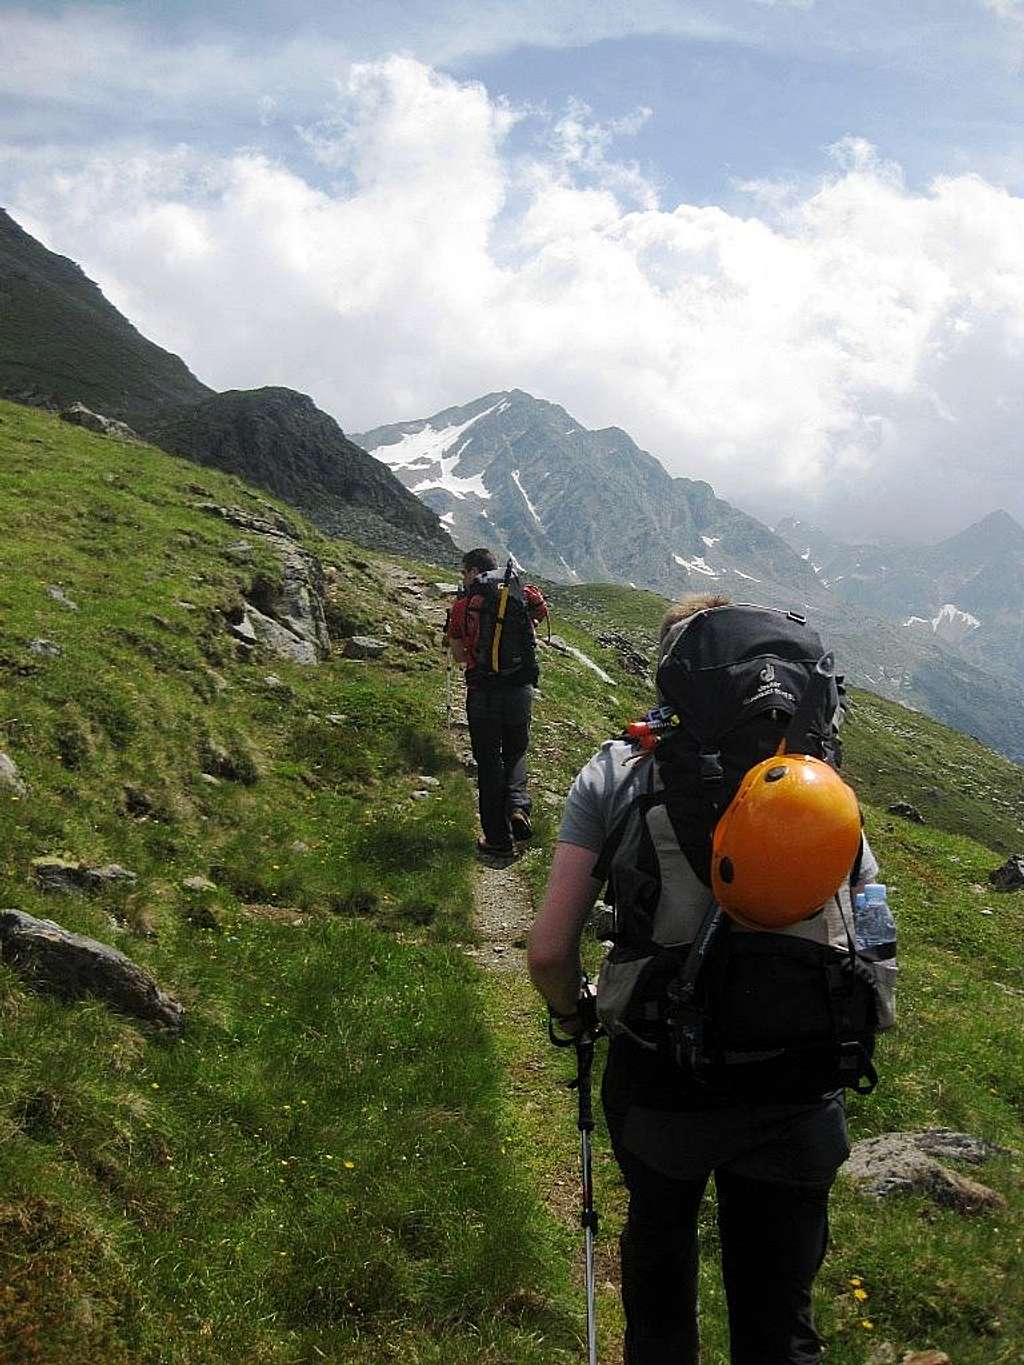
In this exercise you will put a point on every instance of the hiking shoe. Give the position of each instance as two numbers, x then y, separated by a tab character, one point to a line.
522	830
495	855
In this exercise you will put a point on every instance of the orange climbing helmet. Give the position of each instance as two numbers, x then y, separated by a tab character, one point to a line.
785	843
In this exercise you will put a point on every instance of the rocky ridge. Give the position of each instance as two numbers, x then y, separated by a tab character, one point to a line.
523	476
280	440
62	342
64	346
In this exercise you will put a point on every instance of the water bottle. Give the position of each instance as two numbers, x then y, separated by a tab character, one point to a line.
874	926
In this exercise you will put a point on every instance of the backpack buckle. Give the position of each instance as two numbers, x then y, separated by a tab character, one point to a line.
711	770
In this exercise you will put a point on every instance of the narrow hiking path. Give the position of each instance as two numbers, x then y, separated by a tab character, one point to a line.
539	1107
503	907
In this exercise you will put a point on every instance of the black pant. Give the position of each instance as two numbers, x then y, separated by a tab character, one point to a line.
773	1240
773	1168
499	731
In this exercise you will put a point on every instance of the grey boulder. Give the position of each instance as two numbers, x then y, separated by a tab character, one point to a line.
70	965
908	1163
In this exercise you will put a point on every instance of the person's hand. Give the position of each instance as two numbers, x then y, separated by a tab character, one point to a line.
582	1019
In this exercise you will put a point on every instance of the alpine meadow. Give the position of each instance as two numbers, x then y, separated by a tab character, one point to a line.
359	1147
511	683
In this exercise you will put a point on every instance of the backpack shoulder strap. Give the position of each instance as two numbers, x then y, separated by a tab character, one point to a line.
640	804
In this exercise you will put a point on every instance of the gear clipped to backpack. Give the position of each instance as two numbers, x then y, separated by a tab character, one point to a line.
506	608
729	873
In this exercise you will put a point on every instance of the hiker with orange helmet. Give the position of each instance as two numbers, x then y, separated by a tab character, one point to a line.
735	1002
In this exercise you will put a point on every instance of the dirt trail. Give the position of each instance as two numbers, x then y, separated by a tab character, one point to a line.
503	913
503	903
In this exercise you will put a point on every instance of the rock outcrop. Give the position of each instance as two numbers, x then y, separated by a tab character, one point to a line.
70	965
908	811
1009	877
287	615
10	778
280	439
81	416
68	879
908	1163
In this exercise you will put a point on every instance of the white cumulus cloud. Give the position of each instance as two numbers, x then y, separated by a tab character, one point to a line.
852	350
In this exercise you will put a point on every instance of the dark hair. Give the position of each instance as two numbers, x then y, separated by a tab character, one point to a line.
482	560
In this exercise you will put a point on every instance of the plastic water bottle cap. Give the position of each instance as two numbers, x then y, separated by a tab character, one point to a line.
875	892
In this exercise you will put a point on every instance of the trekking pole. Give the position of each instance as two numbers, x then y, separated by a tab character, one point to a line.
446	644
584	1042
448	688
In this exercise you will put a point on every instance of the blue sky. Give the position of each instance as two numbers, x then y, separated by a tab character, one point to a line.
780	243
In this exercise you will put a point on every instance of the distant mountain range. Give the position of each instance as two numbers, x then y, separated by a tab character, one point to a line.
967	590
61	341
524	477
938	628
941	629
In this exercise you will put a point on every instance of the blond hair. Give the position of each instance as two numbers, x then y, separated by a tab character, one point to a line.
688	605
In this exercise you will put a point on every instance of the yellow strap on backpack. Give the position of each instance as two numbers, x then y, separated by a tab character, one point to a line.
499	622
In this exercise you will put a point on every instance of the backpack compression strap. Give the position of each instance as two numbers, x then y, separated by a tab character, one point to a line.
500	620
498	625
819	695
685	1017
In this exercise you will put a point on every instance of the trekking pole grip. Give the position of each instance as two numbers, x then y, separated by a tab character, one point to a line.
584	1069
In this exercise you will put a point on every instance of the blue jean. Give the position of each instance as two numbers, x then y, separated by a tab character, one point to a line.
499	732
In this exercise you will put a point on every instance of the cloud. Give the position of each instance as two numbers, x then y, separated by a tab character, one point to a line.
851	350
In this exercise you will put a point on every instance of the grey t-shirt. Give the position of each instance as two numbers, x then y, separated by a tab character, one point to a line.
602	792
604	789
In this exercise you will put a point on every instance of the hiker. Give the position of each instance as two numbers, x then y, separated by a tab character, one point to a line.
774	1158
491	632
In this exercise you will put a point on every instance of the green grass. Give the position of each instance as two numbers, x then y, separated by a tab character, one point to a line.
361	1149
933	1277
192	1201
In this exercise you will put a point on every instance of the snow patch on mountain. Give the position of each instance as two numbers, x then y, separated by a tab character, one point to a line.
952	624
950	612
711	541
748	576
563	647
526	498
428	444
696	565
451	483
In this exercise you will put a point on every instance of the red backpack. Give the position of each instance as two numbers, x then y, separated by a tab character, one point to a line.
501	611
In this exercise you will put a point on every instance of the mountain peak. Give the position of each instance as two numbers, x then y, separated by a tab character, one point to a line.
994	532
1002	522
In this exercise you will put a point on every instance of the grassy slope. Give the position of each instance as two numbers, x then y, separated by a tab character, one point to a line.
956	1058
316	1166
194	1202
